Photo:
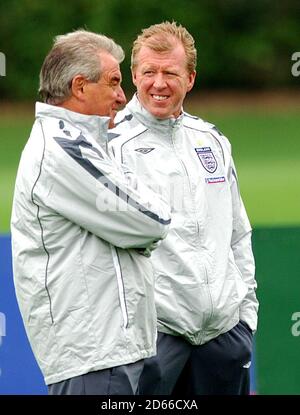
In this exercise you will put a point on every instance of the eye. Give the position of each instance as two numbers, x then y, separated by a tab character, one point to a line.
115	81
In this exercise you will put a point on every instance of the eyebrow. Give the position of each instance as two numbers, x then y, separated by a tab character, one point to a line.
164	69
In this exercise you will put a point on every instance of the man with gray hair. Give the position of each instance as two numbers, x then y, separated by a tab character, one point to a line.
82	229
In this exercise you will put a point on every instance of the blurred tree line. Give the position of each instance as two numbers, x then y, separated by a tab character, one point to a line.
240	43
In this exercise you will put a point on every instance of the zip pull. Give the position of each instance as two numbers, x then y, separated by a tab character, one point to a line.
120	282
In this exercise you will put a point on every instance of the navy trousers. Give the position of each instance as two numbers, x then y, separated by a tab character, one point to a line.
218	367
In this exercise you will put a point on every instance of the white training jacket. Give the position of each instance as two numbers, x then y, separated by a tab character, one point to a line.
85	292
204	268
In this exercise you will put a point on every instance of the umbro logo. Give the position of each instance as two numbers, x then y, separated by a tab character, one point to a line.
144	150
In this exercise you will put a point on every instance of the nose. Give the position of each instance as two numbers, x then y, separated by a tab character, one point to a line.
121	98
159	81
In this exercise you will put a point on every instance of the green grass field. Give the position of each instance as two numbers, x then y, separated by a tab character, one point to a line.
14	133
266	148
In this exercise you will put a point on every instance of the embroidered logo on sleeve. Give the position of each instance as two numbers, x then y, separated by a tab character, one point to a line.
207	158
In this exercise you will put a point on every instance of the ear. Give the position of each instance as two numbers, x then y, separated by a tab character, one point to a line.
133	75
78	86
191	81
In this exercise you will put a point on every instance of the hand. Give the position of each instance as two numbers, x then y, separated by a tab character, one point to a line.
147	251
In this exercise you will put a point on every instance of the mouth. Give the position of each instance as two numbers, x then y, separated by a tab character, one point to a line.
159	97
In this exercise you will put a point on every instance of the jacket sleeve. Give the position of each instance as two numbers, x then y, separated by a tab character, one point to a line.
81	183
242	251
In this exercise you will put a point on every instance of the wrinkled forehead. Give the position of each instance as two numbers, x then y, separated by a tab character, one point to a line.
109	65
172	57
108	61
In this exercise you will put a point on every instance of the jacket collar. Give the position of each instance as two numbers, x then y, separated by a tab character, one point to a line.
93	125
151	122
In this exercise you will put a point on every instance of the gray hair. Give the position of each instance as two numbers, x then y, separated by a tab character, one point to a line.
73	54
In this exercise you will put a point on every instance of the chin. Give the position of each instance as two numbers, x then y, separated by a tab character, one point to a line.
161	115
158	112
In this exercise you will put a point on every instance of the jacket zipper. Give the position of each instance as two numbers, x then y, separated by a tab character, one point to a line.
198	231
121	290
187	174
180	160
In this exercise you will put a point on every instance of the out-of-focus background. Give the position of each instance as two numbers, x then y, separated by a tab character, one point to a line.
248	84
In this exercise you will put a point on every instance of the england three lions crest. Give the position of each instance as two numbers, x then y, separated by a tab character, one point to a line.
207	159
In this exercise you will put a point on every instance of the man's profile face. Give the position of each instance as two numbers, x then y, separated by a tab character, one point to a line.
162	80
105	96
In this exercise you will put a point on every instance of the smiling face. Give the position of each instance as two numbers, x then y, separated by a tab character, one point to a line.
162	80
